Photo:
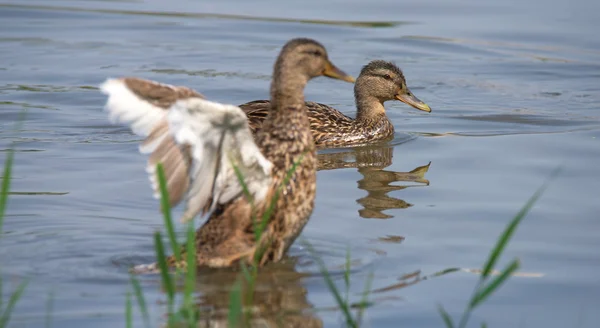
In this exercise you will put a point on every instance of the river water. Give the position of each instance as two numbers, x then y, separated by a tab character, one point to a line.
515	92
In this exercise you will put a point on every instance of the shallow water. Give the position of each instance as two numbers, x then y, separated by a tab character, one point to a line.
514	88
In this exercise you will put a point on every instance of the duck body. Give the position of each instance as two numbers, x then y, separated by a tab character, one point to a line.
229	232
378	82
329	127
201	144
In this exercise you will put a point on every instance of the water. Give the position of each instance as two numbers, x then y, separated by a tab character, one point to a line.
514	88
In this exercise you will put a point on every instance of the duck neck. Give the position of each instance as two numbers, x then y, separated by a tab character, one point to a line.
369	109
287	88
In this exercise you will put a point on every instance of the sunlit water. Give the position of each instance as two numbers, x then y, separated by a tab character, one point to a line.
514	87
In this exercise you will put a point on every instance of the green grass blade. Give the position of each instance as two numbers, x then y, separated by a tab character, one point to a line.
364	302
446	317
164	270
166	209
350	322
137	290
240	177
6	177
12	302
190	275
128	314
347	266
510	229
1	294
246	272
49	309
486	291
269	212
235	305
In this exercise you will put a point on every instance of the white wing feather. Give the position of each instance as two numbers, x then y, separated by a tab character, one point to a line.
219	135
125	107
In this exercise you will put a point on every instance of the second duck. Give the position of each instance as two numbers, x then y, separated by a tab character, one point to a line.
378	82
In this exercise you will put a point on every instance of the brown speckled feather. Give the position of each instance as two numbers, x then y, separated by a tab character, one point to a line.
378	82
284	142
176	159
329	127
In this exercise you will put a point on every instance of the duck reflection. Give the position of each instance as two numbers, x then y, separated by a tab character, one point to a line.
377	182
279	299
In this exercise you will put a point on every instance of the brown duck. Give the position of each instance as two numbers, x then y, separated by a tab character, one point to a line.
378	82
198	143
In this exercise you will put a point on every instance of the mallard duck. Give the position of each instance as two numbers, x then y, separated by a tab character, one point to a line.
199	142
378	82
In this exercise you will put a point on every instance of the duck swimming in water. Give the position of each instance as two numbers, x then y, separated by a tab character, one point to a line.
378	82
199	142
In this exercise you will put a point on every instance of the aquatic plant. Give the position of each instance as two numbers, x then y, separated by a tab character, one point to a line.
486	286
188	314
6	311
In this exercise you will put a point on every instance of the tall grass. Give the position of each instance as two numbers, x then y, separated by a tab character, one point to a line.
6	310
188	315
350	320
5	188
486	286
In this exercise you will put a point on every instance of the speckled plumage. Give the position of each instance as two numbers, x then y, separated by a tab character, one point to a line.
379	81
285	141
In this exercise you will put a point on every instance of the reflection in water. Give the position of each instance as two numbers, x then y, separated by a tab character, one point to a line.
279	299
371	162
412	278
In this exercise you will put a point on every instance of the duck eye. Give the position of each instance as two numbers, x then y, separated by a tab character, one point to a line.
387	77
317	53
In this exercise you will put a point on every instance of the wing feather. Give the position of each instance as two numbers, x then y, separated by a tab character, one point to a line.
143	105
220	138
197	141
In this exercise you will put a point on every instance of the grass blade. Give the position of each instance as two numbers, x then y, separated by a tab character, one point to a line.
128	315
6	177
446	317
164	270
49	309
269	212
347	273
1	293
250	277
235	305
510	229
364	302
12	301
246	272
350	322
166	209
190	276
240	177
137	289
486	291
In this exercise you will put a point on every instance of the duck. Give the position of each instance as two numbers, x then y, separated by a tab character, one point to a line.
202	146
379	81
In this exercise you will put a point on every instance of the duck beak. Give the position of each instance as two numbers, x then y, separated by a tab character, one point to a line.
336	73
410	99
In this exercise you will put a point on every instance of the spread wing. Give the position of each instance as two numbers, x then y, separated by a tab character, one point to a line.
197	141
